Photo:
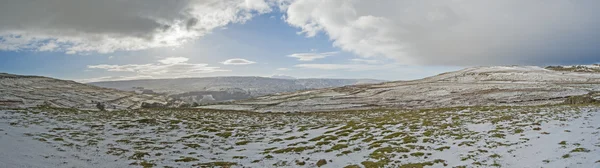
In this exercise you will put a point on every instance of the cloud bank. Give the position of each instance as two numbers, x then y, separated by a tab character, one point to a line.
311	56
456	32
172	67
76	26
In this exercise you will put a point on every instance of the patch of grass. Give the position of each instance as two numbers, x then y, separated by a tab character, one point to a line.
195	146
381	153
147	164
321	162
393	135
323	143
294	149
215	164
139	155
147	121
562	143
417	154
186	159
428	133
242	142
566	156
410	139
518	131
300	163
291	138
276	140
318	138
224	134
339	146
498	135
416	165
442	148
369	139
496	164
371	164
580	150
195	136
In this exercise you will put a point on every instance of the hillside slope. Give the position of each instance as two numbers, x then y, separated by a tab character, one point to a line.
17	91
477	86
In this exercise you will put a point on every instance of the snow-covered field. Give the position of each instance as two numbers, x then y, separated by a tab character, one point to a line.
541	136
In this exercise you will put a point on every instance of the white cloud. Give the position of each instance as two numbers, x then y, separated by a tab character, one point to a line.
311	56
113	78
237	61
367	61
173	60
75	26
458	32
283	69
165	68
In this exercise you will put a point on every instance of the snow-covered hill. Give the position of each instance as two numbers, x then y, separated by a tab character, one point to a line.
255	86
192	90
576	68
18	91
477	86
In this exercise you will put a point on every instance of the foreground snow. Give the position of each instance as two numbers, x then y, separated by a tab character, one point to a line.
552	136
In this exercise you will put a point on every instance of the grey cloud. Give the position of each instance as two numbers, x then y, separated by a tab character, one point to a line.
109	25
460	32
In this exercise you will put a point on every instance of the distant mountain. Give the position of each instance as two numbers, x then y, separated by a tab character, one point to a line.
217	89
17	91
476	86
282	77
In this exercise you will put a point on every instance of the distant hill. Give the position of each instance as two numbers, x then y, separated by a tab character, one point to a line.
18	91
217	89
576	68
476	86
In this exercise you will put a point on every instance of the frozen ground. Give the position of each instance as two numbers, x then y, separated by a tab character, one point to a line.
541	136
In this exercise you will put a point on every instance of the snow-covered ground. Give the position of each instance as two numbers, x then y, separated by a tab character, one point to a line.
540	136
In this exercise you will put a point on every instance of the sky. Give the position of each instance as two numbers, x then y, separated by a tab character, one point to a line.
87	41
